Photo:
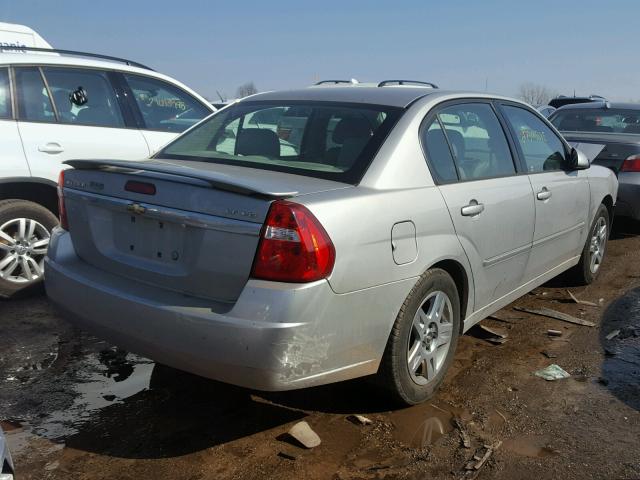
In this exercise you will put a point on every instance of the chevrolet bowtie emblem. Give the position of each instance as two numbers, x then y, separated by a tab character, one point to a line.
136	208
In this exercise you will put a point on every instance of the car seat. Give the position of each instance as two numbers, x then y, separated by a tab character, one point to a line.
352	134
258	141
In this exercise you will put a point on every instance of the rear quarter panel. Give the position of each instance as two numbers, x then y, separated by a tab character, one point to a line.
602	183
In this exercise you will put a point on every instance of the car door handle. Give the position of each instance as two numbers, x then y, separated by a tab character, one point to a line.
544	194
51	147
474	208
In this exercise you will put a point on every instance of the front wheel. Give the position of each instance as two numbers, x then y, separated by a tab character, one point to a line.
423	340
594	249
25	230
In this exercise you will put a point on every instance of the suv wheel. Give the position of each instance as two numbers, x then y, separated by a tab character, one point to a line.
25	229
423	340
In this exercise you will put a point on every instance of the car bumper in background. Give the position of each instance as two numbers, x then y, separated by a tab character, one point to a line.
275	337
628	203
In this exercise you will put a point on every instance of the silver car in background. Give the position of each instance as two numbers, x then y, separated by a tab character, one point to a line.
393	220
6	464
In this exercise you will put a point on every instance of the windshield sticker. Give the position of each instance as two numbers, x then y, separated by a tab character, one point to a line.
527	135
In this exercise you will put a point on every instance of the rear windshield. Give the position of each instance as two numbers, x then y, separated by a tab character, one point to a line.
336	141
612	120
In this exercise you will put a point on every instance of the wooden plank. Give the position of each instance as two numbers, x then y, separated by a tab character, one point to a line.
547	312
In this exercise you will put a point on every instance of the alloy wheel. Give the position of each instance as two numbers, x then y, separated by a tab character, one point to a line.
598	244
23	246
430	337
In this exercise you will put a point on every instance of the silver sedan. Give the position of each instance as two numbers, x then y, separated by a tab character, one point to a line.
304	237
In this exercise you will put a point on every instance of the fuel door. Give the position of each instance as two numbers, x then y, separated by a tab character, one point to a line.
403	242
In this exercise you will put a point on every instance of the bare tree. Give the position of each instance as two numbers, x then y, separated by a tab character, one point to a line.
246	89
535	94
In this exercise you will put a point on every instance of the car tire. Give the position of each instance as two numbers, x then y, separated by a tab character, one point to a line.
589	266
423	340
21	258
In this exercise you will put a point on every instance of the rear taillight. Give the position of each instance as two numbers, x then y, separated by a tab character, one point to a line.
631	164
294	247
62	211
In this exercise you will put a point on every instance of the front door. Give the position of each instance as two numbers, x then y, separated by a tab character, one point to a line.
74	115
491	207
561	195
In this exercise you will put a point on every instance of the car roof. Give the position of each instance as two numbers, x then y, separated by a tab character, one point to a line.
600	106
391	96
45	58
48	59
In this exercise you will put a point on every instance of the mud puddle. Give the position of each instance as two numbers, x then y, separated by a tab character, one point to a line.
424	425
533	446
620	339
103	379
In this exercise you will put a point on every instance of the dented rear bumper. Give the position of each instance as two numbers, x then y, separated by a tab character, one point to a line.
276	336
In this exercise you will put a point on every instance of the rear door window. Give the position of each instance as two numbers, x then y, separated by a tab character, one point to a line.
34	103
5	94
439	153
477	141
163	106
83	97
541	148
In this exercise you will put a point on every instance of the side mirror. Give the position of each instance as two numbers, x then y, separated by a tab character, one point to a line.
578	160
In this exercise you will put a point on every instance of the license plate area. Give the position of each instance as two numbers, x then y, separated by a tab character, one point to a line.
149	238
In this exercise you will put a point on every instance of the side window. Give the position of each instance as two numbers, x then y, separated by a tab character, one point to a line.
5	94
541	148
34	103
227	141
83	97
438	153
477	141
163	106
290	130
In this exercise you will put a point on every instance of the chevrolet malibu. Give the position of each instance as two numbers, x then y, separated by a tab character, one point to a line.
396	219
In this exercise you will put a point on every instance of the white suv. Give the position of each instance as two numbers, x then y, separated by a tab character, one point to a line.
57	106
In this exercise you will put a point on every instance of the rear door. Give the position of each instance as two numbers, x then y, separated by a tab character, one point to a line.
490	205
68	113
561	195
163	110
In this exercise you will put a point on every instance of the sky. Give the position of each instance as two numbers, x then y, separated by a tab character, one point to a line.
584	46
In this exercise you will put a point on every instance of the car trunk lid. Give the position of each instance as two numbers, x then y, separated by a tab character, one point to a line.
617	147
187	229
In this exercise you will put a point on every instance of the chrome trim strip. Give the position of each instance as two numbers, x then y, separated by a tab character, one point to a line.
558	234
517	251
506	256
182	217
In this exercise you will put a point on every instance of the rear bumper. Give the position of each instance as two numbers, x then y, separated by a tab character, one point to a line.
275	337
628	203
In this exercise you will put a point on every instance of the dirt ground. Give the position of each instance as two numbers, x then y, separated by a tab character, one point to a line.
75	407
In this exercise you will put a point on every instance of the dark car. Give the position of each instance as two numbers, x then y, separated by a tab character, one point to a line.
616	126
562	100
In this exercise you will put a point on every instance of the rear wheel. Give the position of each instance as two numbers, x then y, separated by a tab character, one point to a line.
594	249
25	230
423	340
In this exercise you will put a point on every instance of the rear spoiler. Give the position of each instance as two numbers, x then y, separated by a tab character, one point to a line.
218	180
